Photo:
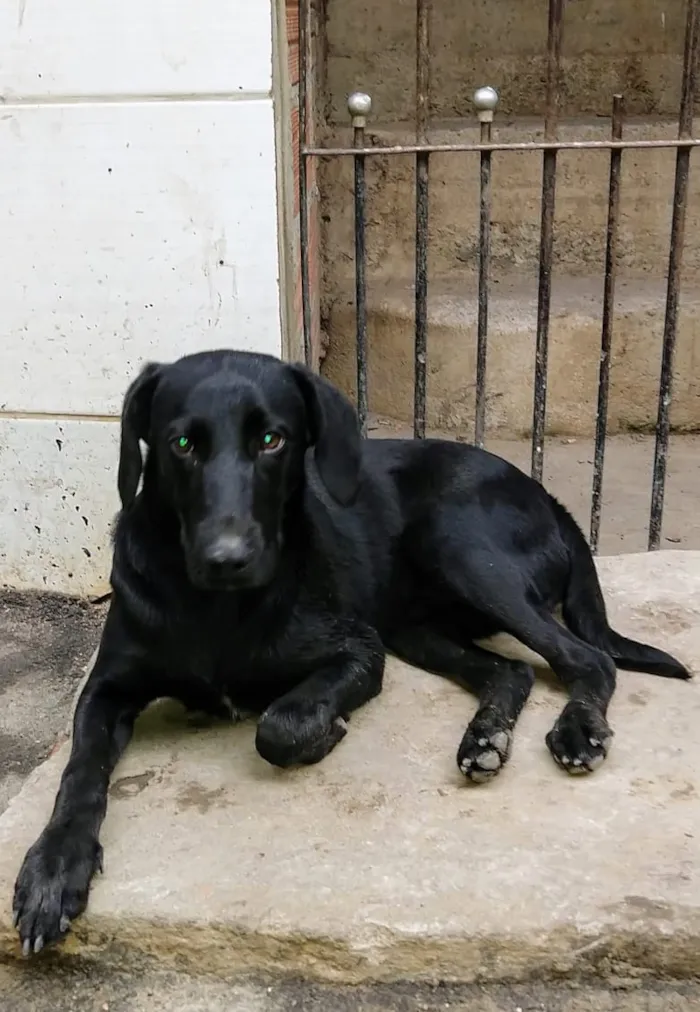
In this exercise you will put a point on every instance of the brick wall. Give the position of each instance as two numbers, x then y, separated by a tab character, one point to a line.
314	257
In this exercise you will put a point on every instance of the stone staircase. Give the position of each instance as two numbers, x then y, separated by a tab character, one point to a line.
580	227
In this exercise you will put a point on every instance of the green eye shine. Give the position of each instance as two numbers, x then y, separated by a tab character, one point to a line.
272	441
183	442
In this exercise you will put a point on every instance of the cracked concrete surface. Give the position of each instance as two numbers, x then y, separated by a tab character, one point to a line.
382	863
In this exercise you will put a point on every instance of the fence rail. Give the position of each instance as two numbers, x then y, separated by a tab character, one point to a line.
485	99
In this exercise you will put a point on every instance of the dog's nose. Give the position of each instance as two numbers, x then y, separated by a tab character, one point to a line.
228	550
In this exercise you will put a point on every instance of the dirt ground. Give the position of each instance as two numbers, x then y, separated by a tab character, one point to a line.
50	988
45	642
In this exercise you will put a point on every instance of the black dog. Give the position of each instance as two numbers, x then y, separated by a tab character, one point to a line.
270	559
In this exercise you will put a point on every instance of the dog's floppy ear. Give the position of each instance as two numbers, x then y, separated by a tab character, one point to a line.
136	417
335	434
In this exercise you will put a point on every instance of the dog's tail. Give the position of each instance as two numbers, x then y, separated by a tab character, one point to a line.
584	611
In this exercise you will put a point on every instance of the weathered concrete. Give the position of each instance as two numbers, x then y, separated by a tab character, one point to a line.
381	863
574	355
634	46
646	201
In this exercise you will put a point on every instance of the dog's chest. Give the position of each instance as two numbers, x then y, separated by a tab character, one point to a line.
249	658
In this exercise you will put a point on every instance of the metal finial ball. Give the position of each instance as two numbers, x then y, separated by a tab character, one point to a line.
485	99
359	104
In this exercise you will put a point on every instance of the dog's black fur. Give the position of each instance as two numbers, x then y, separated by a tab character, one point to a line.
269	575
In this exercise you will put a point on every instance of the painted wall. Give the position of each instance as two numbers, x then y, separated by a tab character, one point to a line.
138	201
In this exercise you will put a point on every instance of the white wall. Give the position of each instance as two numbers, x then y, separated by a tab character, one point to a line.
139	221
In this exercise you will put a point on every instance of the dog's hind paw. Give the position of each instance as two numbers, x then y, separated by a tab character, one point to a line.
484	751
580	739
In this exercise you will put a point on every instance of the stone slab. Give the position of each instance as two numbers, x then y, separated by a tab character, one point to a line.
381	863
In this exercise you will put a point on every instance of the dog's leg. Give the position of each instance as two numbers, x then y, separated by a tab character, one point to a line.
581	736
305	724
502	686
54	880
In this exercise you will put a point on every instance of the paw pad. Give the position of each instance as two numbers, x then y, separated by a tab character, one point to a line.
579	741
481	757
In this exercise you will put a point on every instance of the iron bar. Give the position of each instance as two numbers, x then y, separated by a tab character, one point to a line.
423	11
545	145
423	14
550	145
304	37
359	106
618	113
675	263
485	100
421	335
544	294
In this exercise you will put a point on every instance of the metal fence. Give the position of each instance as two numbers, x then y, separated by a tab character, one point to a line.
486	98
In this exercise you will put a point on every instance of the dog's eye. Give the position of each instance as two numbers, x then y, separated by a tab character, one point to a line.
182	445
271	442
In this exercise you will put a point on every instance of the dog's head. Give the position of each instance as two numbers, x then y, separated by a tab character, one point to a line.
227	433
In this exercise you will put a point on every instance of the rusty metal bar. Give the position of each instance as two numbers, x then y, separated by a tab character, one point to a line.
423	12
423	15
557	145
618	113
549	179
304	37
360	106
485	100
421	335
675	263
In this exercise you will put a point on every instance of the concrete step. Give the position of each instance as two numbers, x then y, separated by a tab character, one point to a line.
581	203
573	362
380	865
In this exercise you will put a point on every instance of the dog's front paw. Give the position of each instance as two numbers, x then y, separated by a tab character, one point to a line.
485	748
580	739
53	885
292	732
